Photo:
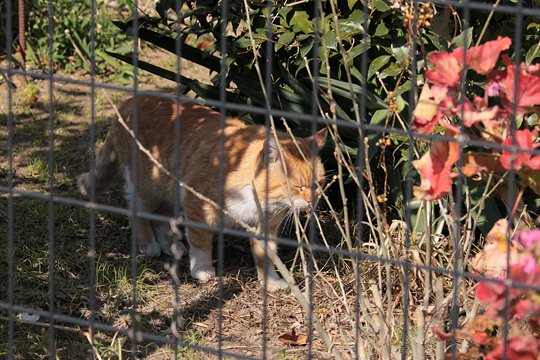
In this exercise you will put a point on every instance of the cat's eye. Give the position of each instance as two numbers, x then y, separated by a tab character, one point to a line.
302	188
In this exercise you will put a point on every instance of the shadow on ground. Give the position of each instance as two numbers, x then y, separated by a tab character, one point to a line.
45	233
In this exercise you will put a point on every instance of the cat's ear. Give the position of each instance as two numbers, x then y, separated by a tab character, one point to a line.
319	137
270	150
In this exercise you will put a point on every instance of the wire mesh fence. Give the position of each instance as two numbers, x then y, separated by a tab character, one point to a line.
389	149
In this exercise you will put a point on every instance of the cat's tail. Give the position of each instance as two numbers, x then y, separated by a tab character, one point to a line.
105	169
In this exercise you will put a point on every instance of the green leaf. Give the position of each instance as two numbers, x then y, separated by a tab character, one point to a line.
519	120
358	16
305	49
354	52
110	60
285	39
392	70
377	64
400	103
532	120
403	88
379	117
532	54
380	5
341	88
353	25
300	21
459	40
436	40
381	29
402	55
329	40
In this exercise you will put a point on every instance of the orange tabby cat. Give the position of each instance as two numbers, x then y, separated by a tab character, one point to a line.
245	165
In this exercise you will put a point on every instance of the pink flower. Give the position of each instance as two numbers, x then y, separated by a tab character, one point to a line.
528	239
493	89
529	264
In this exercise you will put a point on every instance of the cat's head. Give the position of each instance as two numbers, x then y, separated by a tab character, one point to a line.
295	170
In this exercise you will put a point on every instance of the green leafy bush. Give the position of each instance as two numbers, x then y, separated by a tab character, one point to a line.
71	40
389	40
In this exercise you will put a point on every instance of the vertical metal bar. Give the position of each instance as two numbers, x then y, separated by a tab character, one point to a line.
512	183
457	271
11	215
360	169
176	171
51	206
221	199
268	66
22	42
317	14
134	178
92	197
456	230
408	189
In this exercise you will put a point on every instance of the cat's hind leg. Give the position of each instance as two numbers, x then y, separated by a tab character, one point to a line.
146	240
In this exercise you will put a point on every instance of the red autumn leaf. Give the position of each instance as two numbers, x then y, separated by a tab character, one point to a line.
489	292
480	337
496	129
446	67
483	58
472	113
518	347
292	338
526	308
441	335
476	163
427	113
435	169
524	139
528	89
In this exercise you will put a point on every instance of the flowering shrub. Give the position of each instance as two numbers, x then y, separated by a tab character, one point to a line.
522	304
442	105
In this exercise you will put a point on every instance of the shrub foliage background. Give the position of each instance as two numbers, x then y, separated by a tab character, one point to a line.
358	60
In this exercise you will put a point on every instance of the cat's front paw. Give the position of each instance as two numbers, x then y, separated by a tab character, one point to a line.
276	285
176	250
203	274
83	183
152	250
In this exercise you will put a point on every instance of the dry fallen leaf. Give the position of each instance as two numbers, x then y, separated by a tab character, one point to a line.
292	338
492	259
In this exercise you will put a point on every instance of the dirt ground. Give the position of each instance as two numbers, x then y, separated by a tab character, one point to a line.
53	269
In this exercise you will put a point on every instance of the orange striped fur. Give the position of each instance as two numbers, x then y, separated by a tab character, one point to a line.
245	162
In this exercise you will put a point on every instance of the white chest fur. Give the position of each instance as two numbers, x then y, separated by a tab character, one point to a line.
241	205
